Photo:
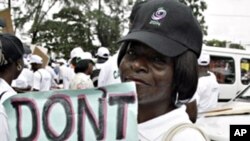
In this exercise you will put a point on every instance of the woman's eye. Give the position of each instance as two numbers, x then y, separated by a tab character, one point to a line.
159	60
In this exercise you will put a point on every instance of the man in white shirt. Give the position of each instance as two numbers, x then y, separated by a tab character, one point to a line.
102	56
54	77
42	78
63	74
207	92
109	74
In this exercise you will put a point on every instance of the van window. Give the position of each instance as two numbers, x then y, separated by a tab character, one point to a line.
223	68
245	71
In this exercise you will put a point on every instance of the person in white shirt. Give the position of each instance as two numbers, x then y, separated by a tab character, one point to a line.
4	130
66	73
109	74
83	70
42	79
54	76
11	65
207	92
63	77
160	55
24	81
102	56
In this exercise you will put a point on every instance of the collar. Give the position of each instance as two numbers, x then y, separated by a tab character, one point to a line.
5	87
154	129
81	74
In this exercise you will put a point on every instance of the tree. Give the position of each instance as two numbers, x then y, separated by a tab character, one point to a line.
236	46
94	24
35	11
198	7
111	23
67	30
80	22
216	43
224	44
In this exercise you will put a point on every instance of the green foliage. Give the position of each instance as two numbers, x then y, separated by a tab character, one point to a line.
66	31
198	7
35	11
79	24
108	31
110	25
236	46
216	43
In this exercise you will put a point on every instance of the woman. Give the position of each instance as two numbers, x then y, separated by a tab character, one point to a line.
11	65
160	56
83	70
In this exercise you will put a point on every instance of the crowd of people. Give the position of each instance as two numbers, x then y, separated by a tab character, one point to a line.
79	72
160	54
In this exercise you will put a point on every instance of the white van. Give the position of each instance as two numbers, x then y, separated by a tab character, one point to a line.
232	69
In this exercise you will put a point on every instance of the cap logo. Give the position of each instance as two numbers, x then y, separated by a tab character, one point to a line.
158	15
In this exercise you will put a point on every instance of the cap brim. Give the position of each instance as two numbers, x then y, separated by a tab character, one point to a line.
163	45
32	62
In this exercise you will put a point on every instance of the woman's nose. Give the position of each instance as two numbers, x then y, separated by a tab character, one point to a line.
140	64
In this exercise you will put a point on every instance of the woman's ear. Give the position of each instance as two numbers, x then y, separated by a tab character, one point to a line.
89	70
19	65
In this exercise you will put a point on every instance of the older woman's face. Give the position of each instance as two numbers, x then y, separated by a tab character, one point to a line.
151	71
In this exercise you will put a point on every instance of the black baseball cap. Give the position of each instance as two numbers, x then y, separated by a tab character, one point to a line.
167	26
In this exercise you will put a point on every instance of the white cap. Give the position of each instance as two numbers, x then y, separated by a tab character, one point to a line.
86	55
36	59
79	55
61	60
103	52
76	52
204	59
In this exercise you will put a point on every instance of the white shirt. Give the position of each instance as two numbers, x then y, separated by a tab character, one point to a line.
66	74
42	80
24	80
53	75
62	71
99	65
207	93
4	130
155	129
81	81
109	73
5	90
8	92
